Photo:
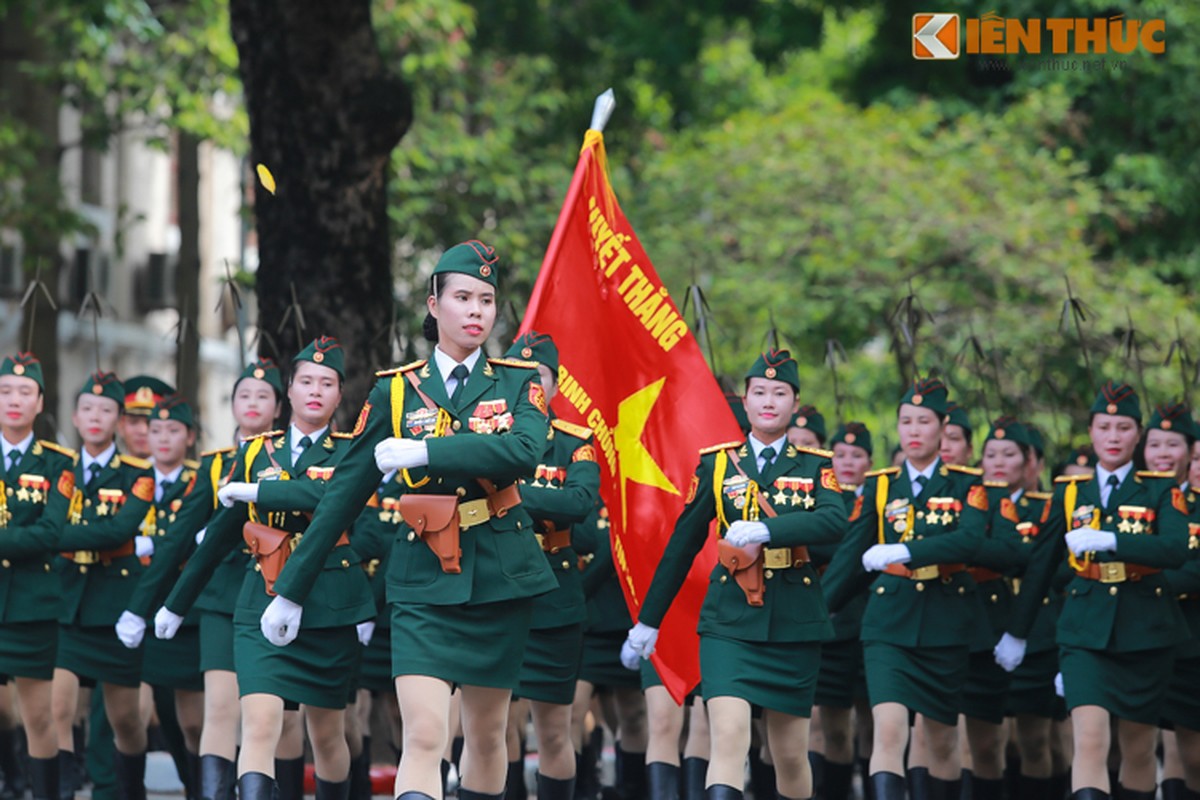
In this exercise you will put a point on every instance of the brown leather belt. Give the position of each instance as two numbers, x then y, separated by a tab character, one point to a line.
555	539
104	557
983	574
296	537
1115	572
496	504
943	571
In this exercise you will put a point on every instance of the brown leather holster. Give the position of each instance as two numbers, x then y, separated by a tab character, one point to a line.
434	517
270	548
745	568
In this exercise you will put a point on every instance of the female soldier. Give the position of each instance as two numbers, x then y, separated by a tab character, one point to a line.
841	688
1120	622
35	495
760	632
99	572
919	522
278	478
462	430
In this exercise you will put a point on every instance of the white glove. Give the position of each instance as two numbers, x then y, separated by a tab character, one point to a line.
1084	540
130	629
393	454
879	556
166	623
365	631
280	622
1058	685
642	639
143	546
629	658
236	492
200	536
1009	652
742	533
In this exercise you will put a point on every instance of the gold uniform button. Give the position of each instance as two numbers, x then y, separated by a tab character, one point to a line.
519	526
962	590
412	535
461	491
124	573
5	563
1045	601
83	569
724	578
1157	590
995	597
257	568
920	515
921	536
1108	518
457	425
345	563
769	574
86	503
161	513
46	567
879	590
566	565
1112	590
920	586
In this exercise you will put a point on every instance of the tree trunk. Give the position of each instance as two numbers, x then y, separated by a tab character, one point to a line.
324	117
187	272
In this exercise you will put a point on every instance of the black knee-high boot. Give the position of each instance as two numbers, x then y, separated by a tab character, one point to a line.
984	789
944	790
663	780
329	790
192	786
1090	793
1034	789
360	772
864	774
888	786
43	778
445	777
694	773
1130	794
10	766
413	796
289	778
257	786
719	791
555	788
131	775
1173	789
68	775
838	780
762	776
631	774
587	774
514	785
467	794
218	777
918	783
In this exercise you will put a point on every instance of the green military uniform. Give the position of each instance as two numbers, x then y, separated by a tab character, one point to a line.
918	618
35	497
563	491
183	508
1182	706
99	568
607	614
1120	622
317	669
373	537
766	654
495	430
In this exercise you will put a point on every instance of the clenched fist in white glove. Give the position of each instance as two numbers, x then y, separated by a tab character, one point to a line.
392	454
130	629
638	644
1058	685
1009	652
365	631
742	533
143	546
200	536
237	492
280	622
166	623
1085	540
880	556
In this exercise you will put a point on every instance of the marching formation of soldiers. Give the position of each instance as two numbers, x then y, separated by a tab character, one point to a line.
946	626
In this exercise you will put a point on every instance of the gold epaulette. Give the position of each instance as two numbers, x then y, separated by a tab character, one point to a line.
716	448
191	464
813	451
134	461
976	471
578	431
1038	495
342	435
263	435
1149	473
58	448
1072	478
875	473
385	373
847	487
513	362
996	484
219	451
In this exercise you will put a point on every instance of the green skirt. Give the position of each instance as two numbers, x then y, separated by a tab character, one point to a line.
174	663
466	645
28	649
316	669
1130	686
216	641
551	664
1031	688
601	665
841	680
1182	707
375	671
987	684
94	653
778	676
927	680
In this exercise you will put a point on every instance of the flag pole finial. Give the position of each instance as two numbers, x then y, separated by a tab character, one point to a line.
602	110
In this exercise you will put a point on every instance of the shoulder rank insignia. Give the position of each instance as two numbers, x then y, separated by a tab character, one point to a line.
585	452
223	451
995	484
977	498
143	489
387	373
975	471
263	435
342	435
815	451
1073	478
578	431
133	461
875	473
58	448
716	448
1149	473
191	464
512	362
829	479
1038	495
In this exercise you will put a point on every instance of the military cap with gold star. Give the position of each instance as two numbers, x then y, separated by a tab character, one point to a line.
23	365
853	433
534	346
142	392
1010	430
927	393
1174	417
263	369
776	365
326	351
174	407
472	258
1118	399
808	417
104	384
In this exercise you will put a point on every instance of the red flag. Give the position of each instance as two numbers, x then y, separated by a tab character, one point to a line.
631	370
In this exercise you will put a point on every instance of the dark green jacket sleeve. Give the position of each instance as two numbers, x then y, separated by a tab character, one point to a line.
1168	547
42	536
290	495
568	504
224	533
823	524
171	550
1048	551
957	546
1001	548
686	541
113	531
845	578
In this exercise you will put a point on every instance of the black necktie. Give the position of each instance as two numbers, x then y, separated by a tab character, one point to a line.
93	471
14	456
1113	482
919	484
164	486
305	443
767	454
459	373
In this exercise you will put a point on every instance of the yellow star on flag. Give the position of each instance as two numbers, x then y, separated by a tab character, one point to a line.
633	459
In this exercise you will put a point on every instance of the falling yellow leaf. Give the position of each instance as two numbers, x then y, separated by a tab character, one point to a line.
264	175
